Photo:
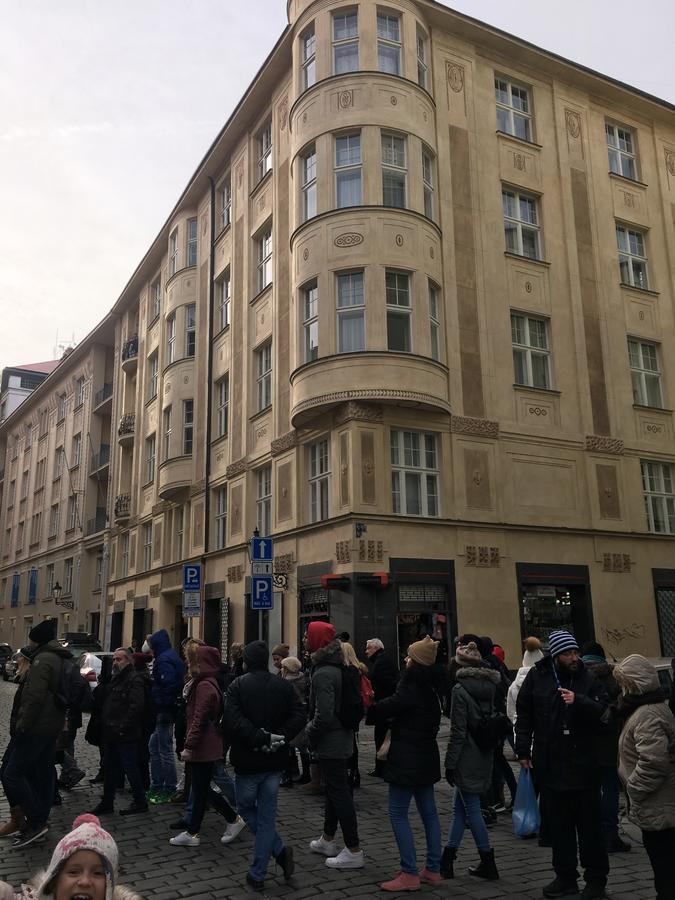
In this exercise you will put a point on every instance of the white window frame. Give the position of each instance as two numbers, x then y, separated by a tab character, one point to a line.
77	450
191	237
225	201
171	339
319	480
178	532
265	251
190	330
428	181
398	298
349	40
222	405
150	457
389	42
421	44
633	263
61	408
308	188
71	522
220	517
310	322
513	112
98	575
124	554
188	426
643	358
308	56
354	307
434	293
147	546
263	503
264	142
514	202
348	162
264	375
54	516
49	573
59	458
155	299
223	288
527	350
394	167
657	486
621	152
153	375
414	456
173	252
79	392
167	416
68	575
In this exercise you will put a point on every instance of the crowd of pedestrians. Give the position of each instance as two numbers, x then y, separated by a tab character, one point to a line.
583	729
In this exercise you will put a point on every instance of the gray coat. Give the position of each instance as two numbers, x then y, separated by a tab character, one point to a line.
325	732
472	695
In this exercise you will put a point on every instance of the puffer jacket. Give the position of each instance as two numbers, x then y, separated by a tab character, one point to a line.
30	891
168	673
473	696
38	713
608	736
325	733
123	708
647	746
204	706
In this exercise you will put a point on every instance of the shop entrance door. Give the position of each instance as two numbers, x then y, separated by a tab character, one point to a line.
423	611
554	597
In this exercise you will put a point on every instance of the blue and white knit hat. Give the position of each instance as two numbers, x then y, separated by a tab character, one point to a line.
560	641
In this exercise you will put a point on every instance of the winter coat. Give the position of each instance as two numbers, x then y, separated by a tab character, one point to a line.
562	762
325	733
259	704
383	675
168	673
123	708
610	694
647	750
30	891
204	706
414	715
514	690
473	696
16	705
38	713
94	733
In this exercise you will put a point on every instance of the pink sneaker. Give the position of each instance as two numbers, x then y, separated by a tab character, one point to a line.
402	882
427	877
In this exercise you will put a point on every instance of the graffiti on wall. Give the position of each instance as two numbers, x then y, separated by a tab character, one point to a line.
617	636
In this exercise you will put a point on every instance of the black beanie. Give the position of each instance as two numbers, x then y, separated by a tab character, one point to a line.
43	632
256	655
593	648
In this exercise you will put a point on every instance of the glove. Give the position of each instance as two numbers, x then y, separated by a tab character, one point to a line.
277	741
450	777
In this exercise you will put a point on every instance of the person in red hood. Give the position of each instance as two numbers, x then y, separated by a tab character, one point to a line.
319	634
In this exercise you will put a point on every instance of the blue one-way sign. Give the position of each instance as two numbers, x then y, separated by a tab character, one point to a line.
192	577
262	548
262	596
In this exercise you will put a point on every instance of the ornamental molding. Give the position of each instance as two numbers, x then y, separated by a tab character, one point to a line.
349	239
285	442
283	113
372	394
455	76
235	468
198	487
362	412
600	444
670	160
468	425
573	123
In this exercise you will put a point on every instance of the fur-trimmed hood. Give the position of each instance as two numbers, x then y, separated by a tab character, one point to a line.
330	655
480	682
481	673
30	891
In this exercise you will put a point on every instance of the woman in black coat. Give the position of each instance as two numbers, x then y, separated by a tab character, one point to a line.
413	764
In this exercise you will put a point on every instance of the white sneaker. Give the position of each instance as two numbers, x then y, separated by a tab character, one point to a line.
232	830
324	847
346	860
185	839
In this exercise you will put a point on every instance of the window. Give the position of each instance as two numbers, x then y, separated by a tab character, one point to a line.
173	252
36	528
50	579
428	182
222	407
422	66
514	115
632	257
308	57
265	151
19	536
124	554
188	426
521	224
25	478
398	311
345	42
53	520
264	375
310	302
153	375
147	545
170	339
393	170
644	373
263	503
77	451
414	473
178	530
223	301
225	202
61	408
265	259
308	183
621	150
58	462
155	299
190	329
348	170
351	310
29	438
79	392
68	575
531	353
389	43
434	320
319	481
72	512
98	574
10	493
40	473
150	454
657	483
220	506
166	433
191	249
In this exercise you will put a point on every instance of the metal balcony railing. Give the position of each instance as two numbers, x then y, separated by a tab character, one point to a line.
100	459
122	506
127	424
102	395
130	348
98	523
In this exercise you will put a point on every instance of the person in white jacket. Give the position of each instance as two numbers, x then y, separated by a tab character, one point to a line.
531	656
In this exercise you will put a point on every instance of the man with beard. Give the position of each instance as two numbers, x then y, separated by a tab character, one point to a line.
559	716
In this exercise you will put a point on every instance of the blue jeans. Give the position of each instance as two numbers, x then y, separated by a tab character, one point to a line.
162	760
466	810
29	776
222	778
257	805
399	802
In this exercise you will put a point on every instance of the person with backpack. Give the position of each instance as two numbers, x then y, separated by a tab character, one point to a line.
333	714
168	672
469	757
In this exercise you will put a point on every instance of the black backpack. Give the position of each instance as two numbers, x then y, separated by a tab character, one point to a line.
351	709
73	691
489	729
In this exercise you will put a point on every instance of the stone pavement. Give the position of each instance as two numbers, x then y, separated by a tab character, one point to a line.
158	871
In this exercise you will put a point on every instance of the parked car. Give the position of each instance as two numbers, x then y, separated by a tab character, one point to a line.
5	654
79	642
9	669
91	665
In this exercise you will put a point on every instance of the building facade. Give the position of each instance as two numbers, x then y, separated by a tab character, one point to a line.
17	383
413	318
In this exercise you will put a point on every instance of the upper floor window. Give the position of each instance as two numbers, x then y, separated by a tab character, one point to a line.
414	473
319	481
393	170
61	408
191	249
58	462
351	313
348	170
150	454
265	259
657	484
265	151
225	203
124	554
147	545
422	65
153	375
68	575
434	320
308	183
222	405
72	512
188	426
644	373
621	150
264	375
263	503
428	182
308	56
190	329
173	252
310	302
632	256
220	509
76	451
398	311
514	114
345	42
389	43
521	224
531	351
53	520
178	531
79	392
171	338
223	301
166	432
155	299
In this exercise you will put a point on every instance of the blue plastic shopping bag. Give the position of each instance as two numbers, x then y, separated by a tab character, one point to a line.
525	808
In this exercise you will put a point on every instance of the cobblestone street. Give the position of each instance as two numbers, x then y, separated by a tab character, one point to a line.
161	872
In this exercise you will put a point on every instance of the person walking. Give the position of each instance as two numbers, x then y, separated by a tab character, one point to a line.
168	672
383	677
647	765
412	767
291	670
17	820
262	714
468	766
559	718
333	745
350	659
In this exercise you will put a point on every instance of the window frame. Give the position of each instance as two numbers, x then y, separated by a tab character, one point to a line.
222	405
68	575
433	294
265	252
225	202
346	170
188	407
350	310
150	457
153	375
630	261
308	59
171	339
310	320
263	501
348	41
428	181
220	517
79	392
155	299
319	480
512	111
308	184
173	252
428	475
76	447
124	554
167	430
616	155
529	350
264	149
264	375
387	43
54	519
190	330
223	298
191	242
660	496
71	520
422	41
641	374
395	310
394	170
518	225
147	546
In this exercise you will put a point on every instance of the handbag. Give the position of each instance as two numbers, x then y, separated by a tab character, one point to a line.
526	818
383	752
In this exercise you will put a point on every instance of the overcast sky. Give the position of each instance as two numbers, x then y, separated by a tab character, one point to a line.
106	109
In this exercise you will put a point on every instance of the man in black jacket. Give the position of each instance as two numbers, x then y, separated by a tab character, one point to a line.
262	714
384	678
122	723
559	717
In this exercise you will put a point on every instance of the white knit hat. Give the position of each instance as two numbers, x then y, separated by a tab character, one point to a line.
87	834
532	653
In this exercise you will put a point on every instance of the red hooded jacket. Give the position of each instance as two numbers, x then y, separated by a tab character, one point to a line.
204	707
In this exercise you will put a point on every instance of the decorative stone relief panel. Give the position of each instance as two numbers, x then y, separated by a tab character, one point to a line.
669	160
477	488
518	165
236	512
468	425
305	254
261	434
574	132
198	524
455	84
284	491
542	410
367	441
654	426
344	468
363	412
609	501
285	442
262	319
528	286
629	202
602	444
642	316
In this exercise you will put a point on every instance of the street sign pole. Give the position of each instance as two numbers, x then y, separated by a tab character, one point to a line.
192	593
262	595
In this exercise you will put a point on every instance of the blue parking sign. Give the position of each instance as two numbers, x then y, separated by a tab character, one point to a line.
192	577
262	596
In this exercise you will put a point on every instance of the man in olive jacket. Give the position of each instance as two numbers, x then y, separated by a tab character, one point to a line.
30	773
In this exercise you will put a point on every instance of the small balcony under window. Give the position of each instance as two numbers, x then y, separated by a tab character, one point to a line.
127	428
130	355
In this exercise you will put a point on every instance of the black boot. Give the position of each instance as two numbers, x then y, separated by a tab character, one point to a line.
98	778
286	861
447	862
486	868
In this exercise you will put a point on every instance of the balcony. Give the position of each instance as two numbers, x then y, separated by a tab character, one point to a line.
130	355
122	507
100	462
127	429
103	398
98	523
175	478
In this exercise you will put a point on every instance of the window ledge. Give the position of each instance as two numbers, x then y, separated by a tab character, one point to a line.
147	484
152	321
75	409
536	262
51	537
628	179
260	413
177	362
222	330
222	231
150	400
538	390
177	273
633	287
653	409
71	529
268	287
514	137
266	177
220	439
171	459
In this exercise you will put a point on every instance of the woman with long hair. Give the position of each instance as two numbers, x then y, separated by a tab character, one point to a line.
351	659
